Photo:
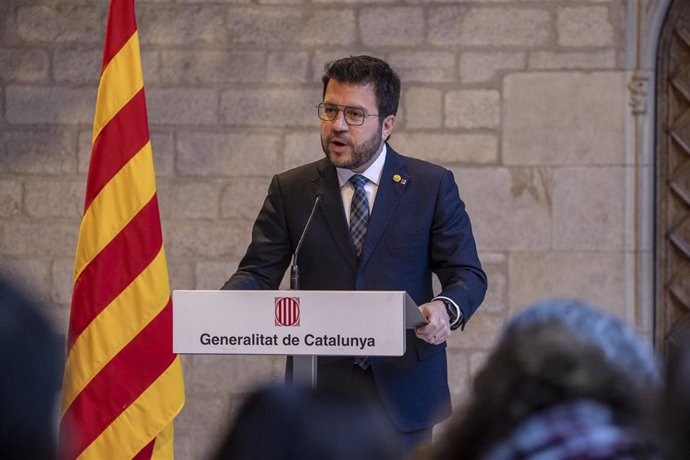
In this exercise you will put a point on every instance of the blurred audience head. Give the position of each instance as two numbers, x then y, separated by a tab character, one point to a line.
565	381
31	363
290	422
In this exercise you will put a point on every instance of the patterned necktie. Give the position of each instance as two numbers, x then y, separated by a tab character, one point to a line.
359	212
359	218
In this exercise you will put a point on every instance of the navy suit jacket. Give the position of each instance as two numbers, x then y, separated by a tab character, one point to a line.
418	226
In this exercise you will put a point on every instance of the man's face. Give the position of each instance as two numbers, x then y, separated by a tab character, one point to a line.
353	147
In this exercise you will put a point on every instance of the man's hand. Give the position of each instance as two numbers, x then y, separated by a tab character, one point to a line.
438	329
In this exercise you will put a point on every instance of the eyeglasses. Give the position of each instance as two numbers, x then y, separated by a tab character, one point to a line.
353	115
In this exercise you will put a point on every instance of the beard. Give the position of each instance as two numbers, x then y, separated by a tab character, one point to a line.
360	155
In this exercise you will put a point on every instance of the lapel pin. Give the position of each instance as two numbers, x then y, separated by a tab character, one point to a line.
397	178
403	181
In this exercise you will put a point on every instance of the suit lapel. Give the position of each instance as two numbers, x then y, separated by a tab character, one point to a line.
387	198
326	182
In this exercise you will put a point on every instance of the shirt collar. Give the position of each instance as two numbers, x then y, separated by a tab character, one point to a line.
373	172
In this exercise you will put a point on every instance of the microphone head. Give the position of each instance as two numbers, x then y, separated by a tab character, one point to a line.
319	195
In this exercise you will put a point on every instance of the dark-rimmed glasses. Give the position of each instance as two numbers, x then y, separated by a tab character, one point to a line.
353	115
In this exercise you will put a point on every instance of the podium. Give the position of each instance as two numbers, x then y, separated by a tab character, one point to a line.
302	324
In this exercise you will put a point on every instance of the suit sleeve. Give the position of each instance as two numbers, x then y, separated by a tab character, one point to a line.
453	251
270	251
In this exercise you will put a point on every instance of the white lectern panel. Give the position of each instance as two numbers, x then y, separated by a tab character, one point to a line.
361	323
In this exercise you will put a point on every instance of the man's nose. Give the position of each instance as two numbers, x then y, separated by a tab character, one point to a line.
339	123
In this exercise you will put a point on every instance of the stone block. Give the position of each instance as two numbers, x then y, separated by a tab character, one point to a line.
61	198
445	25
302	147
61	23
375	26
480	333
213	274
62	275
150	67
23	65
204	239
182	199
193	67
585	60
424	107
564	118
279	2
180	273
163	146
513	213
10	197
286	26
38	151
30	274
84	151
595	277
584	26
42	239
77	65
228	154
447	148
458	372
271	107
238	373
49	104
358	2
184	25
242	198
288	67
424	66
589	208
9	34
182	106
478	67
473	109
524	27
496	267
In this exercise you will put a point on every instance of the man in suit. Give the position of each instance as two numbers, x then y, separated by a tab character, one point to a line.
387	222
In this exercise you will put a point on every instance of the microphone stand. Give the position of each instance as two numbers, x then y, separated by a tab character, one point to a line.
304	367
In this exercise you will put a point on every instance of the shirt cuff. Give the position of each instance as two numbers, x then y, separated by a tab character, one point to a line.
457	322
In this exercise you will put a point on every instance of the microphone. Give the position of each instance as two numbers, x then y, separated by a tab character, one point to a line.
294	269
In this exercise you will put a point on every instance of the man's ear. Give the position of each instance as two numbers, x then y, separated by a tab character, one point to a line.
388	125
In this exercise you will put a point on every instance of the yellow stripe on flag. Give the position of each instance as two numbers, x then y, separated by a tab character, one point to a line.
165	392
121	80
163	449
115	326
112	209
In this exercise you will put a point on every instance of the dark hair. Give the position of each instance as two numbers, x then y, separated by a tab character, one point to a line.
362	70
31	362
290	422
535	368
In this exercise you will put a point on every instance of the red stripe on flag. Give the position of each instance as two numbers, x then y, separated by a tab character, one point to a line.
118	384
119	140
114	268
146	453
121	26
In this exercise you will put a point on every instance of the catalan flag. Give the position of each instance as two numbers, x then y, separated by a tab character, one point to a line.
123	385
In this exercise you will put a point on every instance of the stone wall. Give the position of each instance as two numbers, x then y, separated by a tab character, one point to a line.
526	101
